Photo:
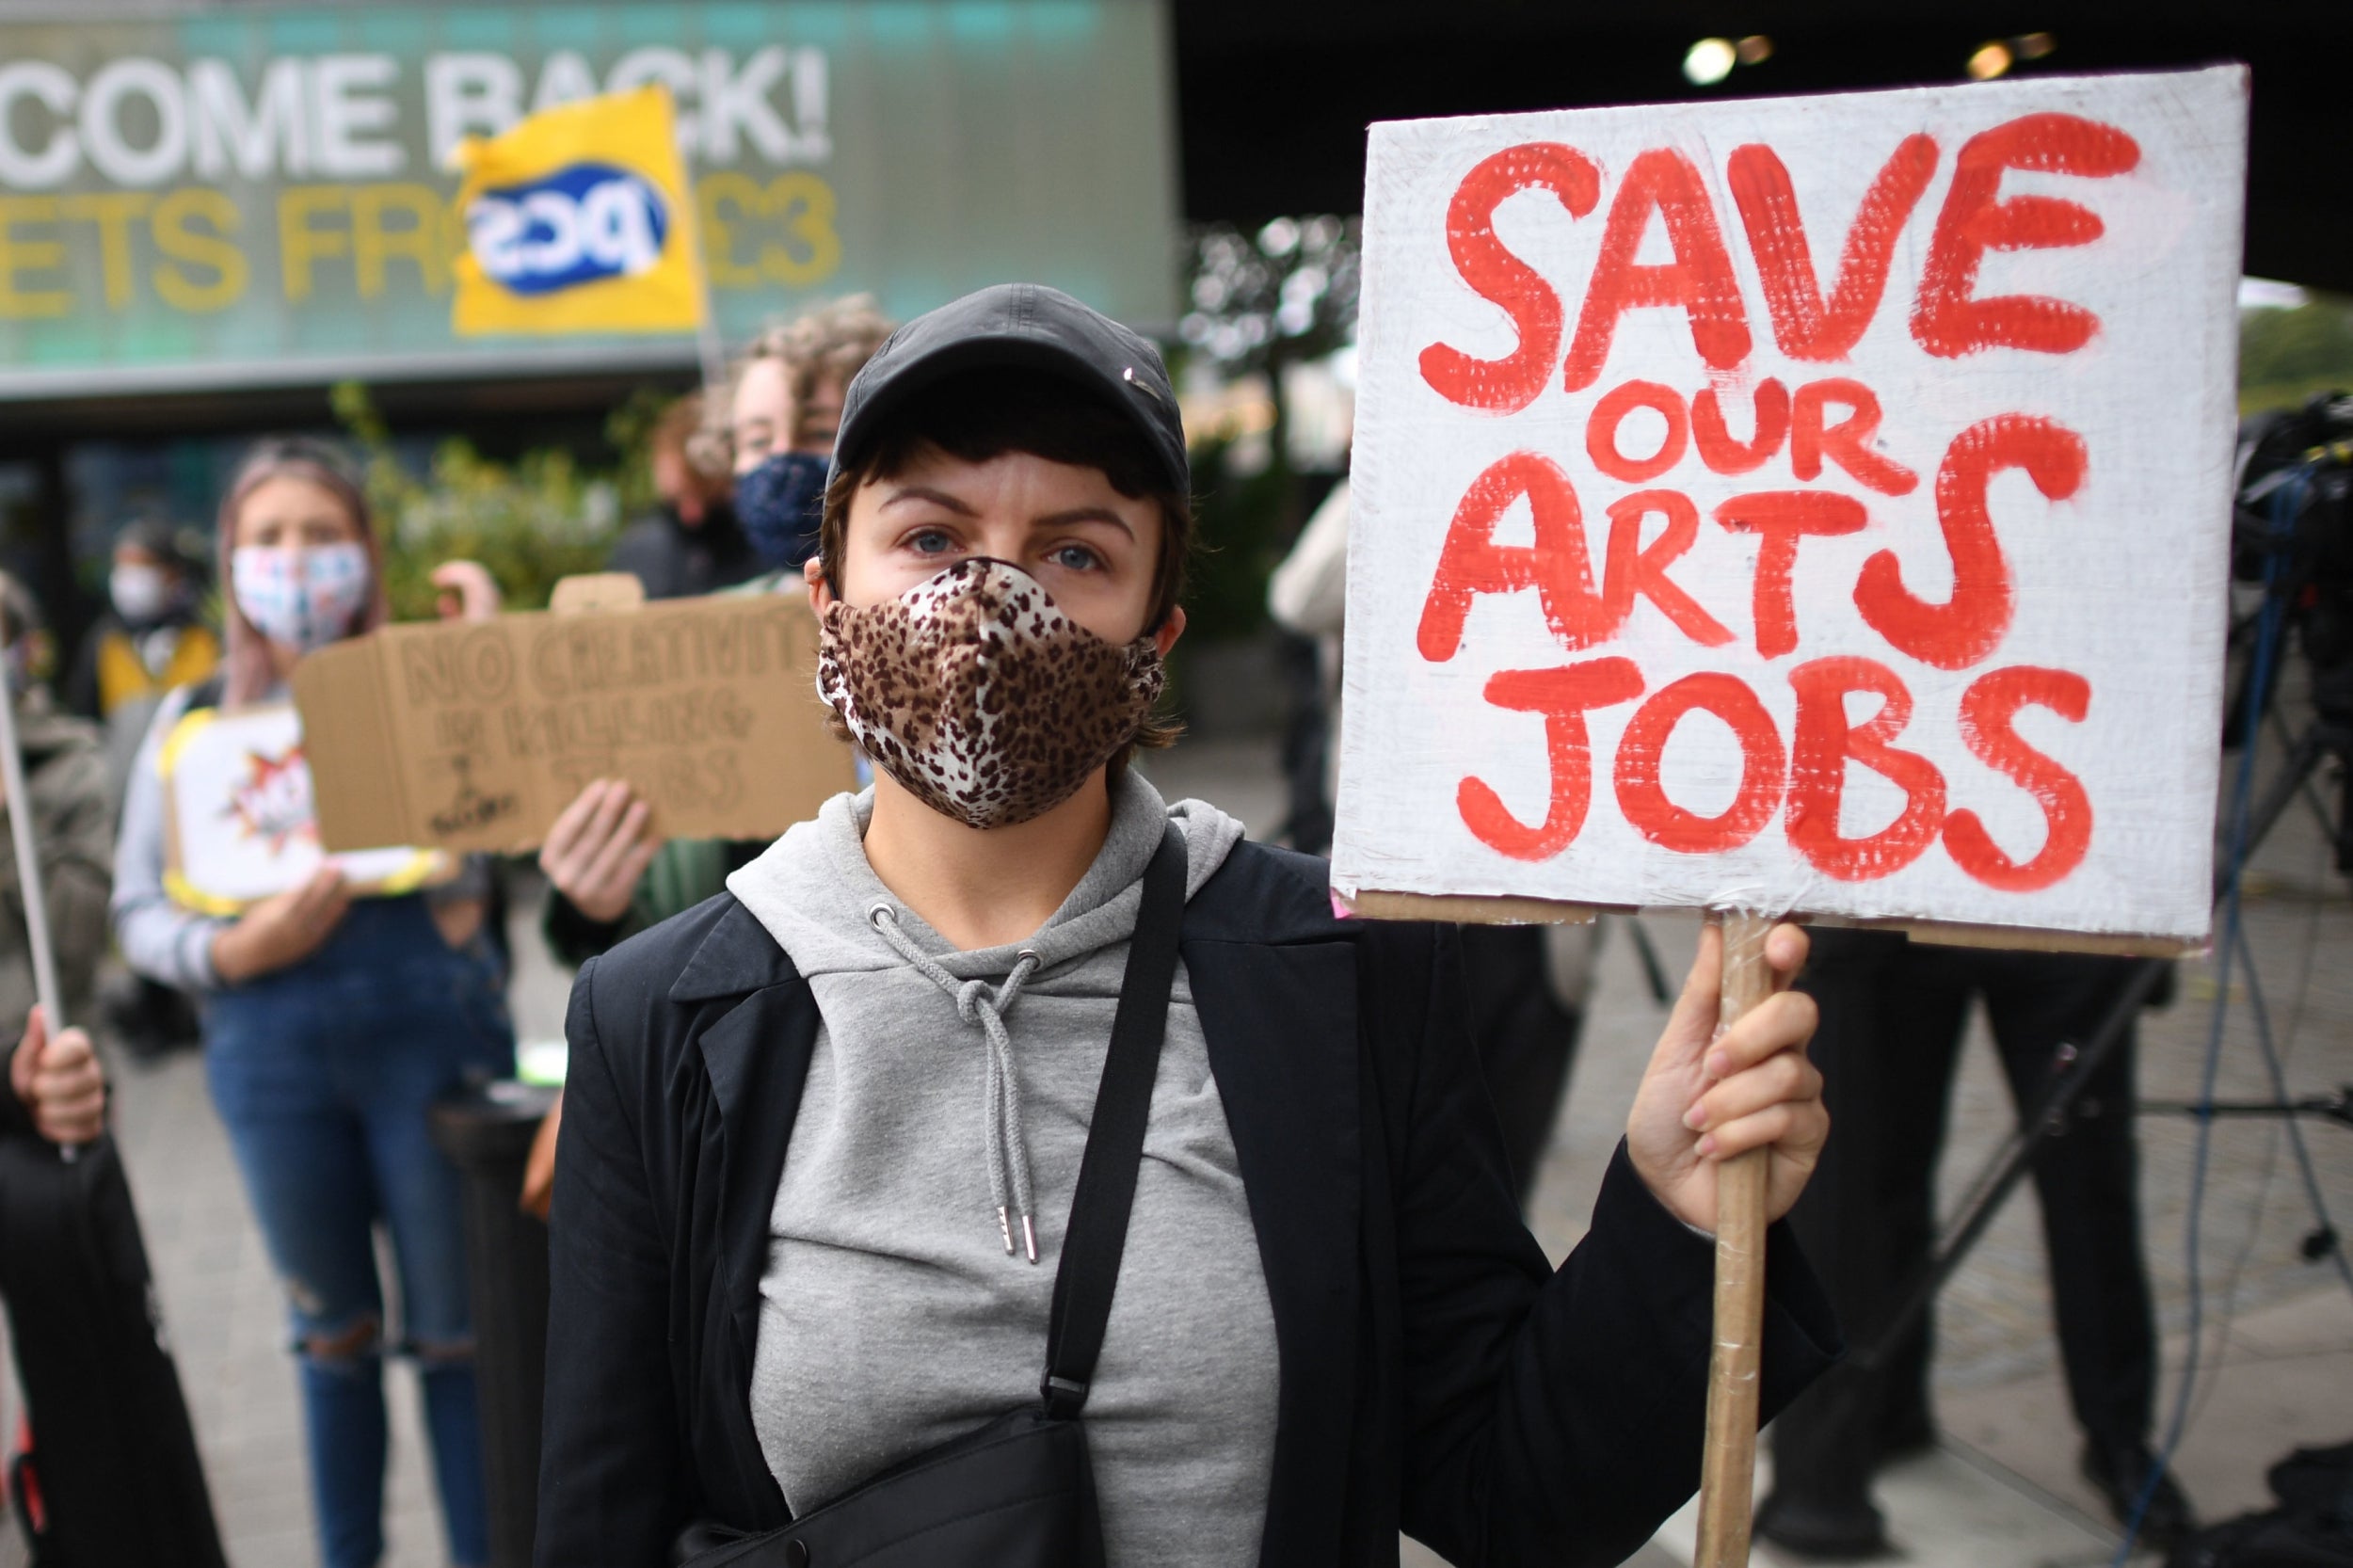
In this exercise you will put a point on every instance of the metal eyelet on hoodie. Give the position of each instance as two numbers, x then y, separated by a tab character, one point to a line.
1010	1180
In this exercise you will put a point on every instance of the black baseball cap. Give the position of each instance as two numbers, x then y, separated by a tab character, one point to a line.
1018	326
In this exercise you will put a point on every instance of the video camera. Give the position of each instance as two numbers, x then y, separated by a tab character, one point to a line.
2295	500
2292	530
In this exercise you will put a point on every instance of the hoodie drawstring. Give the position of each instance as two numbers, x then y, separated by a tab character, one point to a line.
1008	1146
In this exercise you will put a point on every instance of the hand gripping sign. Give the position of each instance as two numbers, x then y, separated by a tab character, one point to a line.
1809	506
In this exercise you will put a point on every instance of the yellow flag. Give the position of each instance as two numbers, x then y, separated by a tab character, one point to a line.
578	219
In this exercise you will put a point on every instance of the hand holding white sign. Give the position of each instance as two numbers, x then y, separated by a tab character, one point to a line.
1718	1088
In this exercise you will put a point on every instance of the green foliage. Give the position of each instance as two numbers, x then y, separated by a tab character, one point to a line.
530	522
1280	296
1262	300
2285	356
1240	534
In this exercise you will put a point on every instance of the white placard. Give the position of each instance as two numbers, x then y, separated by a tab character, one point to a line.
1806	505
241	822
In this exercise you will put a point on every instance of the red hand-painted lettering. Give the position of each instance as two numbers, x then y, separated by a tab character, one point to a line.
1948	319
1806	326
1644	800
1562	695
1823	746
1847	442
1635	569
1700	279
1968	626
1601	431
1557	566
1719	451
1488	266
1782	518
1987	708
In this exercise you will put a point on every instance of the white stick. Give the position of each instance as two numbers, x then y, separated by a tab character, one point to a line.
20	806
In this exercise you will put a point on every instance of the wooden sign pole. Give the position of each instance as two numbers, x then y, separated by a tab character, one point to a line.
1728	1467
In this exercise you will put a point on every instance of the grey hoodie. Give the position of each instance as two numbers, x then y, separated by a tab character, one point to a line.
893	1317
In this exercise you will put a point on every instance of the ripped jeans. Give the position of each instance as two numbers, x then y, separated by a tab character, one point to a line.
322	1074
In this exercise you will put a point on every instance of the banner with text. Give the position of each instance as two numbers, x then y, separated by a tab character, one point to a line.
1813	504
252	195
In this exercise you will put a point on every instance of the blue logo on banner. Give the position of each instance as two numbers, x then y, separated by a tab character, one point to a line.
583	222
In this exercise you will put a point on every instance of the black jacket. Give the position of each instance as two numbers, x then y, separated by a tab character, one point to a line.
676	561
1435	1374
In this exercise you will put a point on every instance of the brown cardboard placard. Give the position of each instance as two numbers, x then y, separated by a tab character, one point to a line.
476	735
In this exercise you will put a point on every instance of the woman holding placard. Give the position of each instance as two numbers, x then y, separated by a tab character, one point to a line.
332	1019
1008	1067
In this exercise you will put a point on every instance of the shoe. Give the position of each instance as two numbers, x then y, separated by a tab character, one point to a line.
1826	1532
2121	1472
2320	1478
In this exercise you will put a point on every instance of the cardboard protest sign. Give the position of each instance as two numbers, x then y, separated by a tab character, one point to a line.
1810	504
476	735
239	823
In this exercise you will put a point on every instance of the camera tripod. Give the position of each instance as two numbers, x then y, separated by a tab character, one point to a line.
2328	737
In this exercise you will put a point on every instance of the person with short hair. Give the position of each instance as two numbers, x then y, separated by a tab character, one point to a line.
152	638
824	1132
607	879
691	544
72	821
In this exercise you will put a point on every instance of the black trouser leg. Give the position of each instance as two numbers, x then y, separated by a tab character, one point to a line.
1891	1017
2088	1181
1525	1036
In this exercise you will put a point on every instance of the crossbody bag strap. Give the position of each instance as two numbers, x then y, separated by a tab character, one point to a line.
1123	1106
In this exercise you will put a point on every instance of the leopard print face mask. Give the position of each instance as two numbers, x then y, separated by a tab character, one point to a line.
977	695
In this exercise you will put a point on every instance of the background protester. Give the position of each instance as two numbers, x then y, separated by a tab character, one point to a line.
784	402
331	1023
1528	984
606	878
73	818
151	638
691	544
1005	537
1892	1012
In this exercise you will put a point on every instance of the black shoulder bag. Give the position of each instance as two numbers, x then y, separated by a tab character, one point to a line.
1018	1492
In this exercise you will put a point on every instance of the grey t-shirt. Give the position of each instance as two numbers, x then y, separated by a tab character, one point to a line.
892	1319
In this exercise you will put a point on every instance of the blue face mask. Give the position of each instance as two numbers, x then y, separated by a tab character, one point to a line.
780	504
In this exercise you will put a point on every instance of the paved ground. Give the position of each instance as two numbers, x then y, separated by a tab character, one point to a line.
2279	1363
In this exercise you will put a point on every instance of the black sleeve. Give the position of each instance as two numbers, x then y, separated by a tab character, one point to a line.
1553	1417
572	936
609	1465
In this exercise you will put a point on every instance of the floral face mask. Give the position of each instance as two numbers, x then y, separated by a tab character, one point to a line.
976	694
304	596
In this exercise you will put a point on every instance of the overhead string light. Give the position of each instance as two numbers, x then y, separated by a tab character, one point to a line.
1710	60
1995	58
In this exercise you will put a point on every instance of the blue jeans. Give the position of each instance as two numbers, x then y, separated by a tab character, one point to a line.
324	1072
